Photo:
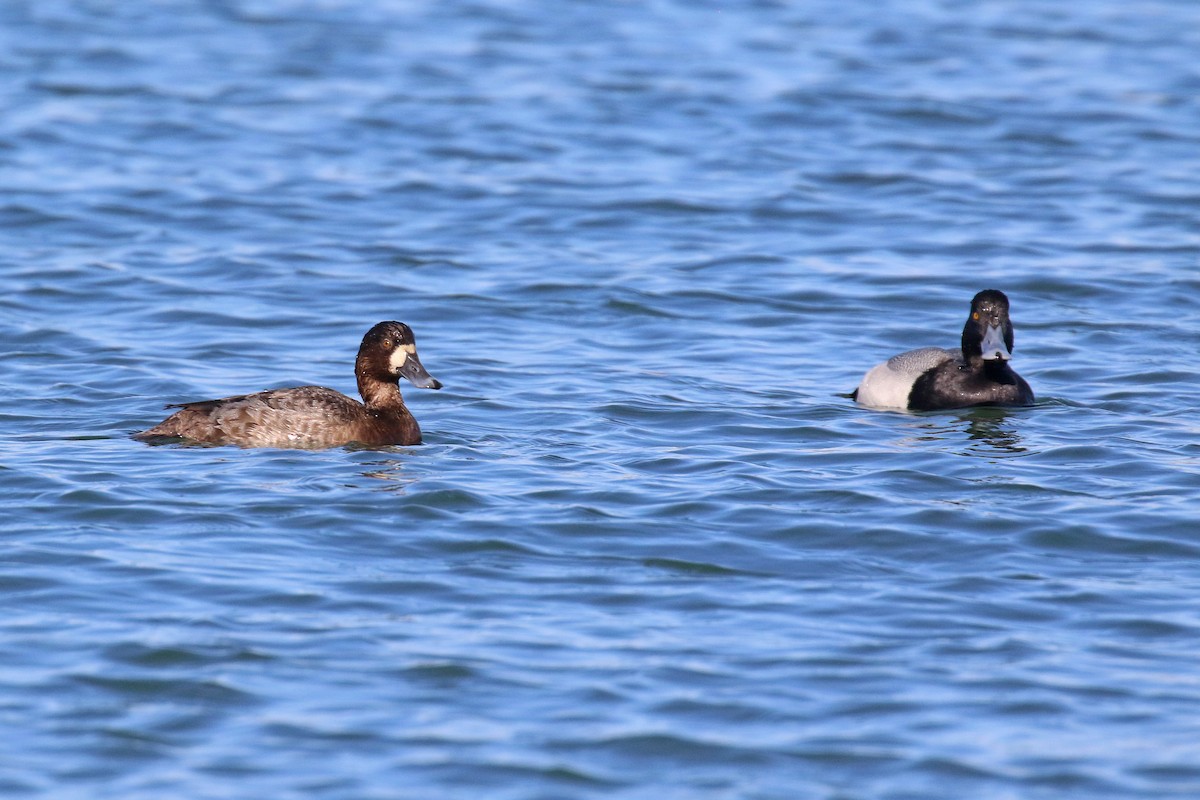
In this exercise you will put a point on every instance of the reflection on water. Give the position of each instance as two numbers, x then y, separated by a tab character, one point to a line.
990	431
991	434
391	473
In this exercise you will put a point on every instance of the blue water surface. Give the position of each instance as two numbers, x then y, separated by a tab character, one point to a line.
648	548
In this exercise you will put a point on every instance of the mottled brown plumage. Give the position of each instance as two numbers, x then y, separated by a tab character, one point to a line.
313	416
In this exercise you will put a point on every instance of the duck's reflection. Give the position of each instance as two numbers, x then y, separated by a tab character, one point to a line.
990	435
390	472
989	431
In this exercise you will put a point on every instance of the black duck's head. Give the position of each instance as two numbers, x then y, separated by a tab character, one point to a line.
988	333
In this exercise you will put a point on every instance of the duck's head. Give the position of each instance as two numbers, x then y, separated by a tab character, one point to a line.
389	352
988	333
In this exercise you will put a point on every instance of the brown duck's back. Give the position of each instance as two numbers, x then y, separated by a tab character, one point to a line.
304	416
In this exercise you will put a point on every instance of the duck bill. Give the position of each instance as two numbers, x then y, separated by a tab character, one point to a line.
416	374
993	346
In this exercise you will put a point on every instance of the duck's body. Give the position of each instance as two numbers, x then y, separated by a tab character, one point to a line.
304	416
933	378
314	416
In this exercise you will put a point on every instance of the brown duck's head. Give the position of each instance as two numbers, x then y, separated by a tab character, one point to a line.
389	352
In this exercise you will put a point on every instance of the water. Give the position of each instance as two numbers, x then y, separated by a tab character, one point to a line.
647	550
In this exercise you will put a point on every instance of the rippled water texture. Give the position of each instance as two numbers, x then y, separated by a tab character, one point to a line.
648	549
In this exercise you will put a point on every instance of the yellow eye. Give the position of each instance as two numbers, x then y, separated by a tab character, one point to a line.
974	315
388	342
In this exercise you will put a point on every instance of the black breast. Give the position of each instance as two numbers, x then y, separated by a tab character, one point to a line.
955	384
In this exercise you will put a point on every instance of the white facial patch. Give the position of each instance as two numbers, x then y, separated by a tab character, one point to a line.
993	347
401	354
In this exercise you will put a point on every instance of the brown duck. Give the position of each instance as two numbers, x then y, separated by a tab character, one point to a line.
313	416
